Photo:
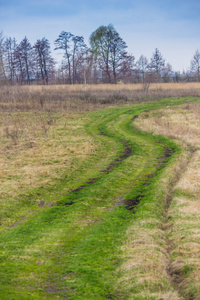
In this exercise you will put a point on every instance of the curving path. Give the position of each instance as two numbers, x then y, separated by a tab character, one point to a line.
73	249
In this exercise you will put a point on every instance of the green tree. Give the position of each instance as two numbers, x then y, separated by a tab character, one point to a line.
110	50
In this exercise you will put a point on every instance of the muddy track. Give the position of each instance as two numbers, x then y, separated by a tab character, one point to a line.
130	203
126	153
139	190
175	275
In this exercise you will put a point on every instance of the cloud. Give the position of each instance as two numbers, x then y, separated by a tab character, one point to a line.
144	24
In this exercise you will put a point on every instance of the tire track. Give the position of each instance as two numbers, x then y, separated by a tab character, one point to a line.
126	153
174	269
132	202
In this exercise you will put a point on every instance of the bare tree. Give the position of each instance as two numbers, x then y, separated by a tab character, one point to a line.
10	61
157	64
167	73
43	58
78	52
23	56
89	68
195	65
2	67
74	50
64	42
142	65
128	71
177	76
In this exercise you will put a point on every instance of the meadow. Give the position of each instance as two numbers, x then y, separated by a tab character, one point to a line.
99	192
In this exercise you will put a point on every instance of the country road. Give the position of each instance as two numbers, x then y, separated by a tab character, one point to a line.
106	236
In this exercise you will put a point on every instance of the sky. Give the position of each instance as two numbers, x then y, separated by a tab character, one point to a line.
172	26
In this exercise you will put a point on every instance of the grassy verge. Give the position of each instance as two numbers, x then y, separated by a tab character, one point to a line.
182	217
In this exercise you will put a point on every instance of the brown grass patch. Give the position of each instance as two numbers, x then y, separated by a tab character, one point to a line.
76	99
183	124
40	148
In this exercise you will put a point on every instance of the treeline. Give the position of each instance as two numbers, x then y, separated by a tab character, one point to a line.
105	61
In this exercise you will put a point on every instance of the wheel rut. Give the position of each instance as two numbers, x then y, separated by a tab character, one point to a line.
127	152
175	269
175	275
140	192
78	234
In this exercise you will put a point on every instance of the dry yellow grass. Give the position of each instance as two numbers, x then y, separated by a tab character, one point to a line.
117	87
77	98
180	123
183	124
36	148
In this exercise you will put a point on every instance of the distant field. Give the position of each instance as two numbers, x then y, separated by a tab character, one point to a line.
120	86
81	98
92	207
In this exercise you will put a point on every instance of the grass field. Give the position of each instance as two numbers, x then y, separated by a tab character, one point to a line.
78	98
92	206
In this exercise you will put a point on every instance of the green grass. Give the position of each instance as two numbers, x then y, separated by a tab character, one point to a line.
73	251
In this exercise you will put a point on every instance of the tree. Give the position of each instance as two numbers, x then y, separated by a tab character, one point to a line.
177	76
157	63
109	49
44	61
195	65
74	50
78	52
142	65
117	53
23	56
63	42
10	61
2	67
167	73
128	72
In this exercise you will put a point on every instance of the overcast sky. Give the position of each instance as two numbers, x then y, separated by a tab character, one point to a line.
172	26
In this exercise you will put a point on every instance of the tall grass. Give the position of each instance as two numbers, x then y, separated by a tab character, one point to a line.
76	98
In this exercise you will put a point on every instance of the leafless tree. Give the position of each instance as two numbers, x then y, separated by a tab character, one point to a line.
157	64
78	52
74	50
128	71
142	66
23	57
64	42
195	65
44	61
10	60
167	73
2	67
